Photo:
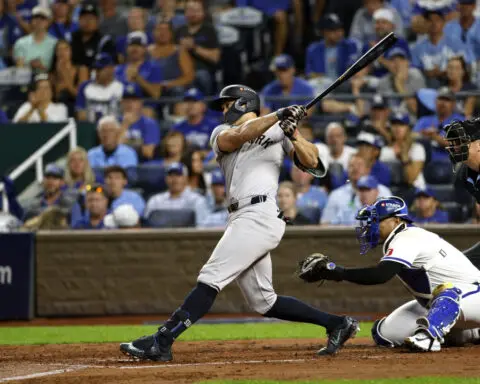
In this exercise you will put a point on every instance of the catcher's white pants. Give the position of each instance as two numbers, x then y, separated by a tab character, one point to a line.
401	323
243	254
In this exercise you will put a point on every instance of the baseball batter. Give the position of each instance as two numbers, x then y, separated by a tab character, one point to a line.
443	281
250	151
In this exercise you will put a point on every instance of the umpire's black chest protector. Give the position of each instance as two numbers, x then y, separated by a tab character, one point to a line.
470	180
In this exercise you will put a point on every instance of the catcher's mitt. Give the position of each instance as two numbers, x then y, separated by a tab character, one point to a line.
312	267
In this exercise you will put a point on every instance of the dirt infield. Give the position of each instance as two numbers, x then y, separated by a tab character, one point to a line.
197	361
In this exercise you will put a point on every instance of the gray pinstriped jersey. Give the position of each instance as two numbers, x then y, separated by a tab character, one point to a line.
254	168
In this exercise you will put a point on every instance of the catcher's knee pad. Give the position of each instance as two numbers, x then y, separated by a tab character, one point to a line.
444	311
378	338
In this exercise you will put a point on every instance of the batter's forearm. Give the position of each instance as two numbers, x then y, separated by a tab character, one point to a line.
256	127
307	153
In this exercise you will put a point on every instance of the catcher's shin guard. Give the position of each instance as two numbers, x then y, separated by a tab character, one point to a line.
378	338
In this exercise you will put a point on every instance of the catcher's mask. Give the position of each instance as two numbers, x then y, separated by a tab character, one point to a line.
370	216
458	142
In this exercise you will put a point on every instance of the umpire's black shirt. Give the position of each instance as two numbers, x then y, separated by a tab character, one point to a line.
84	52
470	180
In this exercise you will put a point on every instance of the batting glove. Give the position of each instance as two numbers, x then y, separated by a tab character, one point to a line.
289	128
296	112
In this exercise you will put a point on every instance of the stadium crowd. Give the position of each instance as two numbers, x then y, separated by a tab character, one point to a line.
143	71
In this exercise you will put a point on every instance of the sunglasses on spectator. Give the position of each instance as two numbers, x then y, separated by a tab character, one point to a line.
94	188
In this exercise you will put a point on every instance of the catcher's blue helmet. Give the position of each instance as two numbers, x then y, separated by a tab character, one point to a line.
370	216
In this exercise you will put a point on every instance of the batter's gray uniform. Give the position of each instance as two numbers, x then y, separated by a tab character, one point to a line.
243	252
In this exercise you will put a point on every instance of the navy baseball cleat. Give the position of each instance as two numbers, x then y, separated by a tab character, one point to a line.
156	347
338	336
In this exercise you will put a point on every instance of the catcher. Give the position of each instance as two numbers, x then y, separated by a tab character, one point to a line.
444	283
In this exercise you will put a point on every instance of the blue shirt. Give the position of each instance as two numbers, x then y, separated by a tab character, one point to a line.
145	129
405	9
98	100
315	197
317	60
10	31
426	56
123	156
439	216
121	43
433	121
473	39
62	31
148	70
382	173
197	134
84	223
130	197
25	9
269	7
3	117
300	88
217	219
378	69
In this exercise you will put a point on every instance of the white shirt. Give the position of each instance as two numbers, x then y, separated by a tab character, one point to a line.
428	260
98	100
56	112
416	153
343	159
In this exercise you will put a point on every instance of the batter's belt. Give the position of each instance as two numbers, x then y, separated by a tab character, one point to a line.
246	202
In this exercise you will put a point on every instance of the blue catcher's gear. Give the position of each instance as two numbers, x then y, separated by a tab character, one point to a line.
370	216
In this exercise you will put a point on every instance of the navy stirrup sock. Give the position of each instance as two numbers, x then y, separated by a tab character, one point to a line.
292	309
196	305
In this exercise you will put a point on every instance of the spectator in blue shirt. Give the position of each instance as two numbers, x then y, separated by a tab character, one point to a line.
139	131
137	68
310	198
62	26
217	202
96	203
384	22
21	10
115	182
459	28
426	208
331	56
136	22
369	147
110	151
431	53
197	128
287	84
431	127
404	9
9	33
473	39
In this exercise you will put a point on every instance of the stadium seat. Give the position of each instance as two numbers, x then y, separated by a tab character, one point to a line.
443	192
313	213
150	178
396	170
171	218
457	213
438	172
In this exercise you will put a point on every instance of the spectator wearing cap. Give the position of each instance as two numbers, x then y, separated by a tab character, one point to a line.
363	25
66	77
138	131
346	194
21	11
217	203
286	84
331	56
335	138
460	28
426	208
96	204
113	22
174	60
53	193
384	23
458	80
10	31
123	217
308	195
137	69
40	107
430	54
36	49
87	41
197	128
405	150
430	127
402	79
115	183
287	202
369	147
178	195
200	39
137	22
62	25
366	193
111	151
377	120
100	96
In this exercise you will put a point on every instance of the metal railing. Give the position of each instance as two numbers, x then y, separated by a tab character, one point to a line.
36	158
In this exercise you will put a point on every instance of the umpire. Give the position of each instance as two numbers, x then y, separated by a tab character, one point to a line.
463	146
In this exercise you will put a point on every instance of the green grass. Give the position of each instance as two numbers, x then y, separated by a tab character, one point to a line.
416	380
118	333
